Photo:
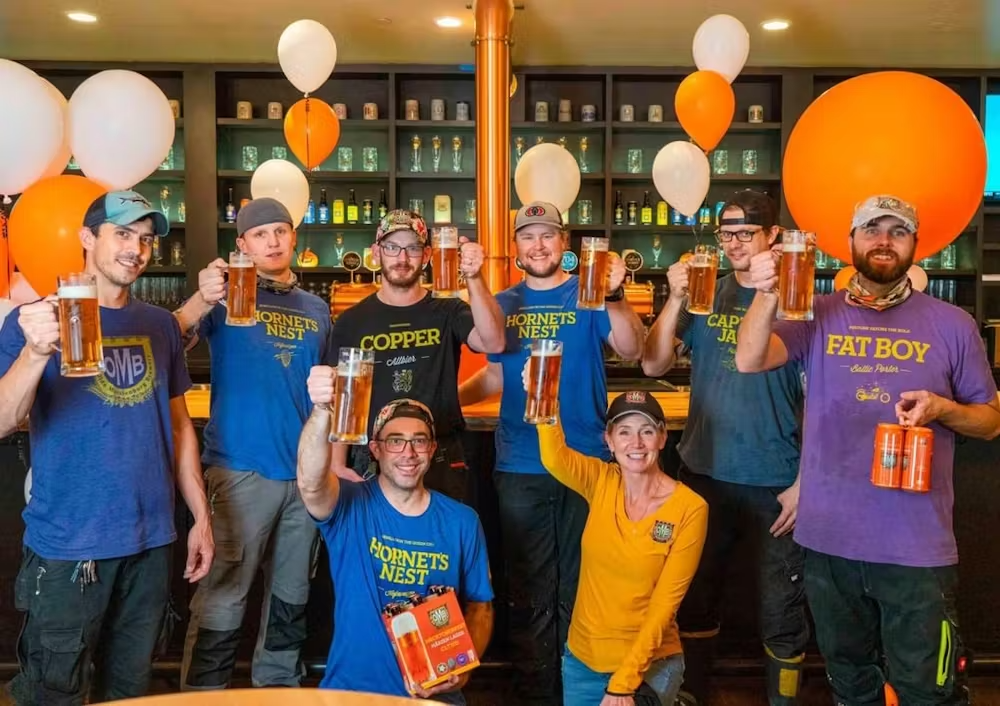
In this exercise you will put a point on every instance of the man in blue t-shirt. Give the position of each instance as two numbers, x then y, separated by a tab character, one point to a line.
258	406
740	452
108	453
541	520
389	537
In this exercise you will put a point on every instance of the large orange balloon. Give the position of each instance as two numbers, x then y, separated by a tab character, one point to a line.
44	229
891	132
705	106
312	130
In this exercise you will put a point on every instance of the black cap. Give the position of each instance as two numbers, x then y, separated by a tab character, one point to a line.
758	209
636	402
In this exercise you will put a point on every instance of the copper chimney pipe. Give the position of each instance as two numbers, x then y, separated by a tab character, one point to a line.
493	20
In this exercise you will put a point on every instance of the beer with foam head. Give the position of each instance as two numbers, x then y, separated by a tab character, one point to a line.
352	396
796	275
703	270
593	274
545	362
241	300
79	326
412	651
444	262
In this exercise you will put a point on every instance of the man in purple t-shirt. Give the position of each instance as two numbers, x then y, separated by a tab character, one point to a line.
880	563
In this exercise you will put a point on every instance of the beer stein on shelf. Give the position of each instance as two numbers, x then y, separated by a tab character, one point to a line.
542	403
80	346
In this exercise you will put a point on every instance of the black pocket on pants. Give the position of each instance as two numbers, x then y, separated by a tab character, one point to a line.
62	659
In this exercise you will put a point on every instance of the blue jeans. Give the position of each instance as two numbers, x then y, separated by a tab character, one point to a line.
582	686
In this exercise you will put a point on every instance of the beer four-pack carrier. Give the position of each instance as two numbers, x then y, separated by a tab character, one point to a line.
430	638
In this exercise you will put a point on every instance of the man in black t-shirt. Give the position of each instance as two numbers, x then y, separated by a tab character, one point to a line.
417	341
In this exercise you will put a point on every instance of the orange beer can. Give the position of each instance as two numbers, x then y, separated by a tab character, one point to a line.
917	454
887	461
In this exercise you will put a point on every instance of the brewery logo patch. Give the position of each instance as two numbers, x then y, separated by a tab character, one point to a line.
662	531
570	261
635	397
535	211
129	372
440	617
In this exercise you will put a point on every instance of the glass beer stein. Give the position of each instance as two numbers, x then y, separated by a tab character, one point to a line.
796	275
352	396
444	262
241	300
703	268
542	405
80	344
593	274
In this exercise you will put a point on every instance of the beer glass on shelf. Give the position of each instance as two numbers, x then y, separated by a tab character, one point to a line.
796	275
593	273
352	396
542	405
80	344
444	262
241	300
704	267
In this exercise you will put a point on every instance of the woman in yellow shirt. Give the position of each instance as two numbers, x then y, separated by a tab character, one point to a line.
641	546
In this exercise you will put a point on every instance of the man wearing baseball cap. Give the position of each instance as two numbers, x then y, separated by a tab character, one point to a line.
108	453
258	406
389	538
881	563
740	452
417	342
542	520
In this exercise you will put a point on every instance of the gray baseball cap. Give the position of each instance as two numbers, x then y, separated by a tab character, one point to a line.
260	212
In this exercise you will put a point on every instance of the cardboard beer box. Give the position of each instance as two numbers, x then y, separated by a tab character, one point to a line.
431	640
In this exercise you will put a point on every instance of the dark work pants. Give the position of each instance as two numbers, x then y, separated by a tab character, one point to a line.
114	624
734	511
882	622
542	523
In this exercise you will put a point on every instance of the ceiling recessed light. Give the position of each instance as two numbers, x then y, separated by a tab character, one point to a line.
85	17
775	25
449	22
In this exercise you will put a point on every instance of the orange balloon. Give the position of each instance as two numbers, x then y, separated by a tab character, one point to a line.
44	229
705	106
312	130
843	277
890	132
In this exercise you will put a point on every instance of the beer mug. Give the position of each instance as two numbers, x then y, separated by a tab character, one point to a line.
703	267
542	404
444	262
241	300
352	396
796	275
80	344
593	274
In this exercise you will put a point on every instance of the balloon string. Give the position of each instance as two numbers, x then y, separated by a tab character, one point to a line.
8	273
308	150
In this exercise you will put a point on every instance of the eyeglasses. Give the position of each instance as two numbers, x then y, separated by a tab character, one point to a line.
392	249
396	444
744	236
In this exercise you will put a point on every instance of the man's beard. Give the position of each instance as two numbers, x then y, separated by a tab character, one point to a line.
541	272
400	280
883	274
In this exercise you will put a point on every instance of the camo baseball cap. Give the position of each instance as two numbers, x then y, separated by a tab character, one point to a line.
401	219
404	407
123	208
875	207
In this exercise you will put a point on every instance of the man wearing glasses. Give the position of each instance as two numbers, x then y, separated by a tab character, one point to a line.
388	539
740	452
417	341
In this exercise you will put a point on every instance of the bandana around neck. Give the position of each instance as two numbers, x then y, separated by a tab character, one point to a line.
858	296
278	287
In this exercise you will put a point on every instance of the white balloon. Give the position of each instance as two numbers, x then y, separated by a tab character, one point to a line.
918	278
121	127
721	44
58	165
31	128
548	172
681	174
281	180
307	53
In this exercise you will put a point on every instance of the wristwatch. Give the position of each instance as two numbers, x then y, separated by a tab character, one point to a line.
617	295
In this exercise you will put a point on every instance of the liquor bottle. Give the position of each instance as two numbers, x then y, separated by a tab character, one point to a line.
310	218
352	208
230	209
324	208
338	211
383	207
646	217
662	215
619	210
366	211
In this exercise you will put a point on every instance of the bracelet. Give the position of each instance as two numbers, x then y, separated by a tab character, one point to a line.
616	296
618	693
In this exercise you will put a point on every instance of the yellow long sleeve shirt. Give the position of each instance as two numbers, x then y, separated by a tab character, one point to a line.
633	575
